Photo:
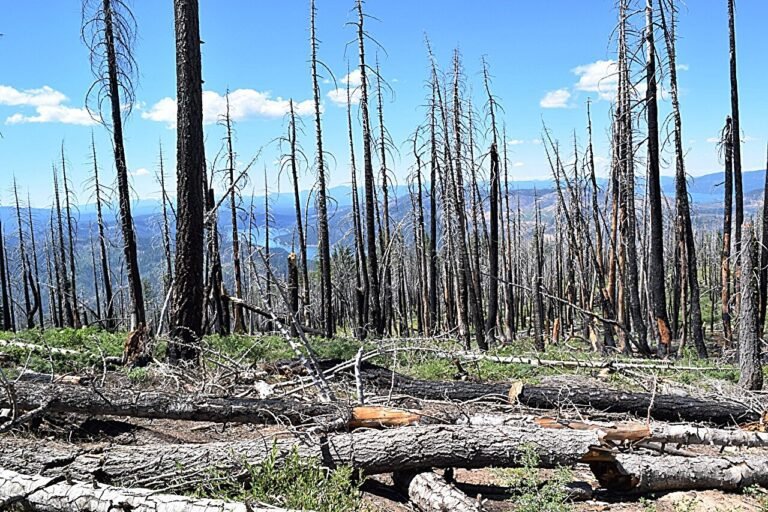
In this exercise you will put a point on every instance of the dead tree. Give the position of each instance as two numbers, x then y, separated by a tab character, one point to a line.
167	250
65	289
361	275
29	313
384	230
6	303
736	138
190	165
106	277
764	257
681	189
726	140
656	274
626	163
292	159
71	235
109	32
35	267
494	199
749	335
237	277
322	195
369	183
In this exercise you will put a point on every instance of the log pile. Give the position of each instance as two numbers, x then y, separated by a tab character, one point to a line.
640	453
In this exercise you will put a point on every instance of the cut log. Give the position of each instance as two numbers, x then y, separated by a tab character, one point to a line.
25	492
660	407
431	493
373	451
645	473
633	431
63	398
691	434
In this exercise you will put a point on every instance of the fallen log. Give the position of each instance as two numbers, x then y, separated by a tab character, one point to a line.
63	398
692	434
36	493
610	364
373	451
657	406
645	473
634	431
431	493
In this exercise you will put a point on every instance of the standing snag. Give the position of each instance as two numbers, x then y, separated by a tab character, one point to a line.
749	335
187	309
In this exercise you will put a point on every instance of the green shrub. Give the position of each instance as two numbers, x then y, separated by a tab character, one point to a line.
291	482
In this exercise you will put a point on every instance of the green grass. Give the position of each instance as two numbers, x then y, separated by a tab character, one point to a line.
536	494
90	344
251	350
292	482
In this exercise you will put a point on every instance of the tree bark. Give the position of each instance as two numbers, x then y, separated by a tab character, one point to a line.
660	407
656	274
126	220
644	473
749	335
329	324
26	492
187	308
67	398
725	254
373	451
431	493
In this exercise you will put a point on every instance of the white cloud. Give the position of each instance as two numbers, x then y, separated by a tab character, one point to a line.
518	164
141	171
683	67
713	140
48	104
556	99
600	76
339	95
243	104
515	142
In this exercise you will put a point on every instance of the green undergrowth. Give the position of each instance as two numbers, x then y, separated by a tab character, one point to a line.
91	344
536	494
290	482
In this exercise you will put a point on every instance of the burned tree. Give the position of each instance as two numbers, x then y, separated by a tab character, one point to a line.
190	167
109	32
322	196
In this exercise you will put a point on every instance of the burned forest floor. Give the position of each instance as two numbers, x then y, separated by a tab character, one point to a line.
413	424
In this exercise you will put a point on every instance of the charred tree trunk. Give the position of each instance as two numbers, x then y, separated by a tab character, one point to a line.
190	160
736	138
656	274
110	320
297	205
725	254
237	311
138	316
61	267
369	182
681	190
6	303
764	258
322	208
749	335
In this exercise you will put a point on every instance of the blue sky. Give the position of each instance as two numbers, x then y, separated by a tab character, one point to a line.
546	59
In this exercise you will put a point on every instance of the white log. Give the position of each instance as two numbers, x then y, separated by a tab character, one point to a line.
37	493
431	493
